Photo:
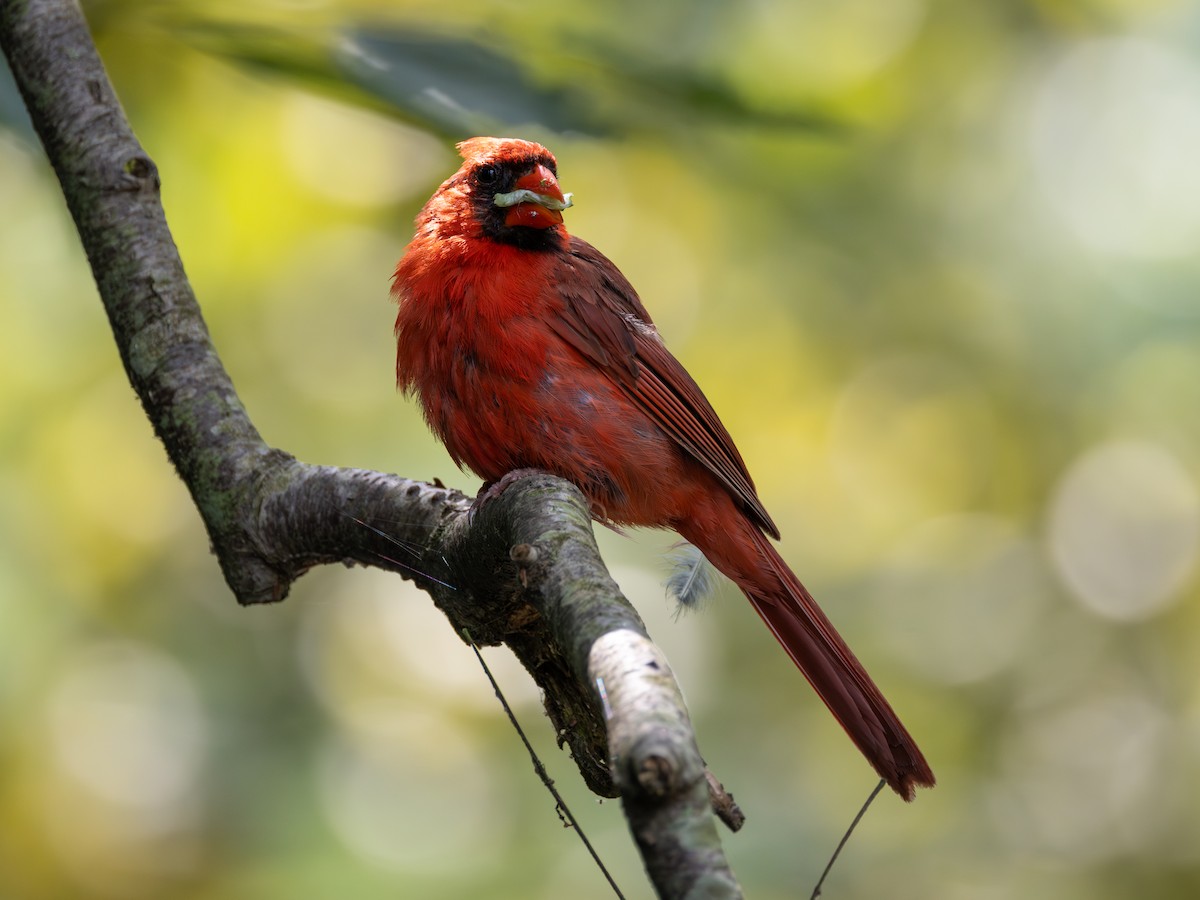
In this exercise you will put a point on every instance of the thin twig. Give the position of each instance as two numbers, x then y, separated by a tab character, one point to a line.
845	837
723	804
541	769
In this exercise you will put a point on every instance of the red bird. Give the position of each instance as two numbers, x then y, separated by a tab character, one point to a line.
529	349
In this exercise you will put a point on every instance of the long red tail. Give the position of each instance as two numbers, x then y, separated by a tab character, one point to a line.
749	558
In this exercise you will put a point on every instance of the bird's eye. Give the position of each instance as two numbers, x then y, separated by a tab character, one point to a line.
487	175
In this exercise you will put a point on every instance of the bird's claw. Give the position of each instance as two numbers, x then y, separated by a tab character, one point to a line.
493	489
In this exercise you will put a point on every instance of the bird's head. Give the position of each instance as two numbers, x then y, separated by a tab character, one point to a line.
511	187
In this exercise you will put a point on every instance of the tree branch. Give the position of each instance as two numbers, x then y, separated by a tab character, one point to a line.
524	570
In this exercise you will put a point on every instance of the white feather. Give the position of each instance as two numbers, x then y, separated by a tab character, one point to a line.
693	578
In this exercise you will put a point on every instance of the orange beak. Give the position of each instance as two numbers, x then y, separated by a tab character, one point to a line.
536	200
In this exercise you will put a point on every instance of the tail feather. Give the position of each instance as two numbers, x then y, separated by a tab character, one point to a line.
822	656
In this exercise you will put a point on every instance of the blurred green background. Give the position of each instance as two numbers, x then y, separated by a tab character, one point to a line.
935	263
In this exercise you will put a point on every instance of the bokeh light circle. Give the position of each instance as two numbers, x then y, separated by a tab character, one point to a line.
1125	529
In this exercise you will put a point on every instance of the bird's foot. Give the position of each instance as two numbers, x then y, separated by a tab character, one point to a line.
493	489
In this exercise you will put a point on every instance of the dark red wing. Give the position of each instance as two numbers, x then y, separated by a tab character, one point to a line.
605	321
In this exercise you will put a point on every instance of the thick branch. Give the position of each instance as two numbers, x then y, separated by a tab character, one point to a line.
524	570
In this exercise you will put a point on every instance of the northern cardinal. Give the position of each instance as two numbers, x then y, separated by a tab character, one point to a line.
528	349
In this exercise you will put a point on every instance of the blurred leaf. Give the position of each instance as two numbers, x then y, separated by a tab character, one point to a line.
460	85
457	85
451	86
691	92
